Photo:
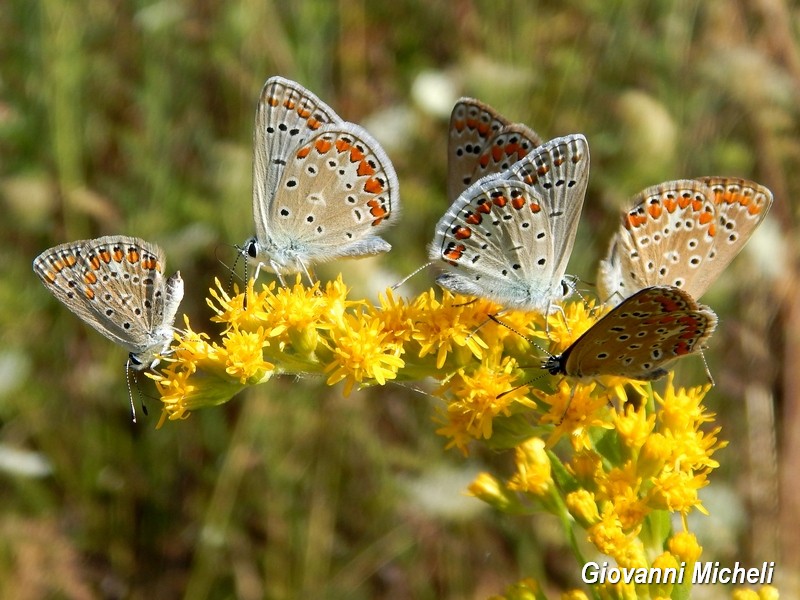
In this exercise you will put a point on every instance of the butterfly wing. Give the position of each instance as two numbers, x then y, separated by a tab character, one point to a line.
559	172
336	193
287	115
116	285
496	243
640	337
741	206
482	142
472	125
666	238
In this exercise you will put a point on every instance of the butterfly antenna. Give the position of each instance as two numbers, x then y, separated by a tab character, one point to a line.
130	390
519	333
407	277
708	371
233	269
572	283
474	331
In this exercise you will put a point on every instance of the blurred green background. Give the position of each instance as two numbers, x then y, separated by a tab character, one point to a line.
136	118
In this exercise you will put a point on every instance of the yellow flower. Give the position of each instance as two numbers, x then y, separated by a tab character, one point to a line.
682	409
533	469
452	324
480	397
768	592
587	467
583	507
487	488
574	409
200	374
361	354
565	326
676	491
397	315
654	454
634	426
607	534
244	352
662	562
685	547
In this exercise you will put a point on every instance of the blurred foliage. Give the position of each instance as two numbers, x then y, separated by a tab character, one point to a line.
136	118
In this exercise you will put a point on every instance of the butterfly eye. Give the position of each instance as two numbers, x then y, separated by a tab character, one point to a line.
251	249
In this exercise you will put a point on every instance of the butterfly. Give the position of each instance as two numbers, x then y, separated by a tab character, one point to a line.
639	337
482	142
323	188
116	284
682	233
509	235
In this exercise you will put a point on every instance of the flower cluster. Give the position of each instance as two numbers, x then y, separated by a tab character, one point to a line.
632	456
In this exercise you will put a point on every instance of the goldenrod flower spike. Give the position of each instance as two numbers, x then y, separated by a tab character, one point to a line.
627	464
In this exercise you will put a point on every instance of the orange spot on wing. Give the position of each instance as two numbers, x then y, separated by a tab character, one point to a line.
473	218
454	252
133	256
322	146
373	185
356	154
89	293
90	278
377	210
462	233
303	152
682	348
499	200
365	169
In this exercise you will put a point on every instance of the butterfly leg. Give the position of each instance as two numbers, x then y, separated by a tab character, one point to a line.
309	274
552	307
566	408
